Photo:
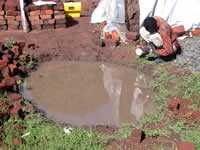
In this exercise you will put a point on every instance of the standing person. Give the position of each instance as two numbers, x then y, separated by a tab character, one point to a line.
160	38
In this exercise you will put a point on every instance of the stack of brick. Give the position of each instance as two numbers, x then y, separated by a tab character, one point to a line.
59	15
41	17
3	23
46	16
12	14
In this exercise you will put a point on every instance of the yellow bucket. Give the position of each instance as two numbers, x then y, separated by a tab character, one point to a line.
73	9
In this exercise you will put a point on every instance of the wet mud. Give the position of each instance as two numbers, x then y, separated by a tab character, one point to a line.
85	93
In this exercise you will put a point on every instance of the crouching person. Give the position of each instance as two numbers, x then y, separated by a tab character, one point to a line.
161	41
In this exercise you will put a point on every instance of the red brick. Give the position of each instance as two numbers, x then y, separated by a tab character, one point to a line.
60	16
12	13
45	16
11	6
36	22
185	146
32	18
51	21
1	17
2	13
48	26
14	96
59	13
47	12
60	26
3	22
18	18
36	27
35	13
61	21
10	17
3	27
13	22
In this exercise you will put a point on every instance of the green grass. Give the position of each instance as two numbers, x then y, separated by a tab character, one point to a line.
45	135
166	86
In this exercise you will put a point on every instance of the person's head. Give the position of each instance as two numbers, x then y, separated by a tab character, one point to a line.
150	24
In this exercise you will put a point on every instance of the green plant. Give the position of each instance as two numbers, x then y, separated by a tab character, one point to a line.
47	135
9	43
156	132
124	131
151	119
178	126
192	136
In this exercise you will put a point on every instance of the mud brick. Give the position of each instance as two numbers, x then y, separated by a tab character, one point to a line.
34	18
36	27
59	6
47	12
12	13
60	26
185	146
10	17
3	27
36	22
51	21
1	5
18	18
13	22
61	21
2	12
48	26
2	22
11	5
46	16
32	7
13	27
35	13
60	16
1	17
58	13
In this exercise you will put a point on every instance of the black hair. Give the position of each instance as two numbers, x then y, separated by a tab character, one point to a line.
150	24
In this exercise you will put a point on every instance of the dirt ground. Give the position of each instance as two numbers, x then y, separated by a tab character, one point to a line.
78	42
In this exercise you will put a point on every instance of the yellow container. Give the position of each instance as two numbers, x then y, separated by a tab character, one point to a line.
73	9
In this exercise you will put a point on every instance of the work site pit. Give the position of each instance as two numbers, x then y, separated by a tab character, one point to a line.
84	93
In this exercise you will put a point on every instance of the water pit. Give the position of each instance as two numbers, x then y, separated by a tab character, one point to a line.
85	93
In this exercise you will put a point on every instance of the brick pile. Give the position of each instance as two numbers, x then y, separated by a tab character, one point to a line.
12	14
46	17
3	23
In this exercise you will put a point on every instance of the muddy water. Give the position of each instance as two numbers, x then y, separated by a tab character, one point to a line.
83	93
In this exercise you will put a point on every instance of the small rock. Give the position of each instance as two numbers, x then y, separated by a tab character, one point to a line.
17	141
137	136
14	96
185	146
174	104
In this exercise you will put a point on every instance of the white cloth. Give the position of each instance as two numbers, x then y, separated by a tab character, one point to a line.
113	12
156	40
175	12
40	3
109	10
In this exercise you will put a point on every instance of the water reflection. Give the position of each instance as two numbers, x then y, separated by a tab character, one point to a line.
83	93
